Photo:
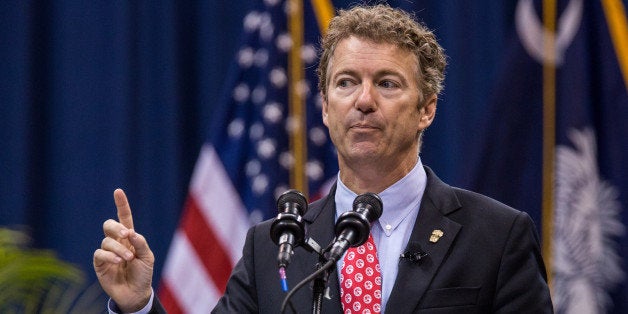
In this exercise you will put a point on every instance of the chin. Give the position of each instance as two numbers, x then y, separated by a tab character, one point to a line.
364	153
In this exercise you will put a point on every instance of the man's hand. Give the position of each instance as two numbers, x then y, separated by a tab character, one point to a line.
124	262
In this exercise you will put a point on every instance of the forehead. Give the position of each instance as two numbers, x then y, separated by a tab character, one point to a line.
366	54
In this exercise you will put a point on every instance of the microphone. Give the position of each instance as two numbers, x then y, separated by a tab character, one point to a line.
413	253
353	227
288	230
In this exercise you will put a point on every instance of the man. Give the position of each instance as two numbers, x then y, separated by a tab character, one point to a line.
380	74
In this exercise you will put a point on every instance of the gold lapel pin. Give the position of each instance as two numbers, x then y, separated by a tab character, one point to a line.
436	234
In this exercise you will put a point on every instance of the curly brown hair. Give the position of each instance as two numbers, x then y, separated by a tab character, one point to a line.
384	24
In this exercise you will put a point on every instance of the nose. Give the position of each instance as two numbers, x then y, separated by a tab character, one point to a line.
365	102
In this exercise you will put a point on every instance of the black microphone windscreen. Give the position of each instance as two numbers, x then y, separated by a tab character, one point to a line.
375	203
295	197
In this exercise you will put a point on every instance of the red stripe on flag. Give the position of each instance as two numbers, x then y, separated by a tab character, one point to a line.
168	300
207	245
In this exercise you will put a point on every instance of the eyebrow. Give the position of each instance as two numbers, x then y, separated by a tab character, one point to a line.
378	74
344	72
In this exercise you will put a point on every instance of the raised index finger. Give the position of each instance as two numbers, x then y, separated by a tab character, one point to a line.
124	210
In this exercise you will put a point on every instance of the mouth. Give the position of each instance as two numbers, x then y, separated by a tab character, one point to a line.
364	126
363	131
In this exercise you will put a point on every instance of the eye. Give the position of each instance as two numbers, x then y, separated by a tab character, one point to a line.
344	83
388	84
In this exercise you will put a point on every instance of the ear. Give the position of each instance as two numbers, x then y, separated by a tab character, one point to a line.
325	109
427	112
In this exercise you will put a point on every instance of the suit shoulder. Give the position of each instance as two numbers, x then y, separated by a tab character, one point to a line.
485	206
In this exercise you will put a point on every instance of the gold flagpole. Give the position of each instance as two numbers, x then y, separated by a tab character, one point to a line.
618	29
549	131
297	120
297	124
324	11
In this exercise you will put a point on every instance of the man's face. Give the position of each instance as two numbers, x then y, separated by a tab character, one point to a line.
372	106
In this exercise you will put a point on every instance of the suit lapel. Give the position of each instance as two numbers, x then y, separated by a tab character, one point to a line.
413	278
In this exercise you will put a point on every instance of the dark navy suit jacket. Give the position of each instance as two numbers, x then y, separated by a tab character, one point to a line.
488	260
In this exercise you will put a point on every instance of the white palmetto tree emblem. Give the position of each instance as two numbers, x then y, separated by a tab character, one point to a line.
586	224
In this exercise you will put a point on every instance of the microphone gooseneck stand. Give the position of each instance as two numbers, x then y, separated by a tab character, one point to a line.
352	230
324	268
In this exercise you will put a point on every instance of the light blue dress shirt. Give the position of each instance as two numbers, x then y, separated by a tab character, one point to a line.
392	231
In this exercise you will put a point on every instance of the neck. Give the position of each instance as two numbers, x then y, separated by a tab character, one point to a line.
374	176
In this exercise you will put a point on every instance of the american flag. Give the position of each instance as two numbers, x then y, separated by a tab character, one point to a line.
267	137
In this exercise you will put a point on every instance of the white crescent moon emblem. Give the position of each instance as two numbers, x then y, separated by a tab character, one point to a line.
531	31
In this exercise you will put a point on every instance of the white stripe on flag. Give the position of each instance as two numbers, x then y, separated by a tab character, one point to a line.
186	278
219	202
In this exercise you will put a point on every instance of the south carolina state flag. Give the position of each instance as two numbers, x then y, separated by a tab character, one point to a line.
267	137
558	142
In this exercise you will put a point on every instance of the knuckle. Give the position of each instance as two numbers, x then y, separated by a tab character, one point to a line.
140	237
111	228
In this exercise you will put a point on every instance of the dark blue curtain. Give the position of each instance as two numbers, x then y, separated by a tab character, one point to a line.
100	95
96	95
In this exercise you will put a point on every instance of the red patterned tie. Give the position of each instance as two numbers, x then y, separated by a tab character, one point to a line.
360	280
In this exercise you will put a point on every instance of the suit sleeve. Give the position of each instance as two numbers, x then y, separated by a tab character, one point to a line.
240	295
157	308
522	279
